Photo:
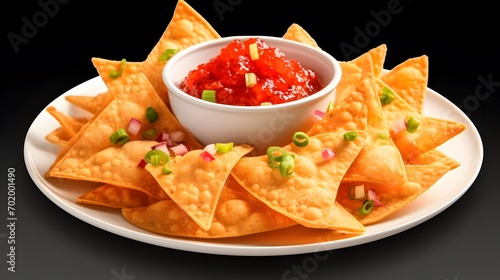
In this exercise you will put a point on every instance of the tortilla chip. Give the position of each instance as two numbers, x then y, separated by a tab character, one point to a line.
59	137
116	197
377	55
435	157
296	33
92	104
351	76
116	85
308	195
393	198
379	161
409	79
347	114
70	124
95	137
238	213
194	184
430	134
118	166
186	28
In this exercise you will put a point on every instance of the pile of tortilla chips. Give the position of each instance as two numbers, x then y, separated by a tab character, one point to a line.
337	183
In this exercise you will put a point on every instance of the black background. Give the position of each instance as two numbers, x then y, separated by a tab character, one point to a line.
460	39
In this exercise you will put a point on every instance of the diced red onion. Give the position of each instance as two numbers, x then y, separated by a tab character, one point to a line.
399	125
210	148
134	126
328	154
318	115
373	196
177	136
142	163
161	146
206	156
180	149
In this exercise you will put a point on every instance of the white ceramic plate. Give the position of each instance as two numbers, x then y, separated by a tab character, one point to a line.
39	154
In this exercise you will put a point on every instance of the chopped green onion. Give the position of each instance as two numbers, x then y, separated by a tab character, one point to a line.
250	79
267	103
366	207
208	95
287	165
412	124
119	137
149	134
223	147
116	73
156	157
254	51
166	170
387	96
167	54
300	139
275	155
151	115
383	135
350	136
330	106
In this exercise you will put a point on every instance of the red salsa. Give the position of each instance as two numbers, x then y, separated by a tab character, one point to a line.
239	75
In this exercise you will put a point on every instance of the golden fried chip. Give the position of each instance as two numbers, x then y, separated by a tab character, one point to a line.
117	75
435	157
296	33
238	213
59	137
118	166
95	137
308	194
195	184
351	76
431	131
409	79
116	197
92	104
70	124
350	113
186	28
377	55
379	161
392	198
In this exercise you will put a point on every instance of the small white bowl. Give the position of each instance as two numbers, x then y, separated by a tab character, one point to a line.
259	126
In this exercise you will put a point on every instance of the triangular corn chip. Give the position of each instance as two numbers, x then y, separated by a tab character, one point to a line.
435	157
379	161
95	136
431	132
296	33
195	184
392	198
238	213
308	195
118	166
377	55
186	28
409	79
92	104
116	197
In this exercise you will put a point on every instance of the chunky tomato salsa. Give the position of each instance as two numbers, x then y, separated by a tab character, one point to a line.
250	73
